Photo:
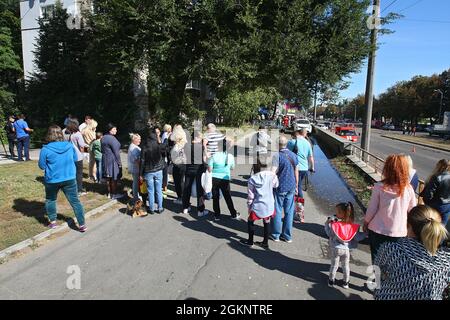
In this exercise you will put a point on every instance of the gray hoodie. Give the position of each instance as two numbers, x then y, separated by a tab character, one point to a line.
260	193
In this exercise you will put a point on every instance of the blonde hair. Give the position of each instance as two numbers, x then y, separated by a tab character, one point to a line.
179	136
167	128
410	162
442	166
134	136
426	224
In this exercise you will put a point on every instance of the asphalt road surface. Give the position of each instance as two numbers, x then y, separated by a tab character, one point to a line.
424	158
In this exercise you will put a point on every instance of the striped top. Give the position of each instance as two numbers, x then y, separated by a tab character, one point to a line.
214	138
409	272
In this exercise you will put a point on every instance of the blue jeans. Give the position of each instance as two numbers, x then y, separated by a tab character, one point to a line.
154	186
301	175
444	210
23	144
70	190
279	226
98	163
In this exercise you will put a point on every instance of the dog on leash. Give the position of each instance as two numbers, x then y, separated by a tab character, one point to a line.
136	209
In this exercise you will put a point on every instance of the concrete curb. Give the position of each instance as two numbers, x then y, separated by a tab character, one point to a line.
4	254
417	143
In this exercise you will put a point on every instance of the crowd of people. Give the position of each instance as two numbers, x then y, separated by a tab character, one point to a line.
407	240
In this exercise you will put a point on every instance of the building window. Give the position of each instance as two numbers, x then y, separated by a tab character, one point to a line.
47	11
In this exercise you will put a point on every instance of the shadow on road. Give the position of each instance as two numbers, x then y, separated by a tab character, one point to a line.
313	272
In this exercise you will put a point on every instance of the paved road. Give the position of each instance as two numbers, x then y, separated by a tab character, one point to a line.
173	256
424	158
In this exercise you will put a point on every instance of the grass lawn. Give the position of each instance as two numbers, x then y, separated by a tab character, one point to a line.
355	178
22	199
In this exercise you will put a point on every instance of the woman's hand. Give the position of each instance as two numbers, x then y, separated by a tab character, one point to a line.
365	227
141	179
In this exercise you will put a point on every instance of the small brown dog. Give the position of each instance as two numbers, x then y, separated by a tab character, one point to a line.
137	209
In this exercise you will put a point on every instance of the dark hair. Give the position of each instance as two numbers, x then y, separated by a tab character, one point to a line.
98	135
348	210
54	134
110	126
261	163
72	126
21	116
88	117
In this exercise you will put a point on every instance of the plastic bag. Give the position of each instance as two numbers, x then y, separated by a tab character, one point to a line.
143	187
299	209
207	182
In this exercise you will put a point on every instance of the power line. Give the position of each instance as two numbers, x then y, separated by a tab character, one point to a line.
408	7
389	6
431	21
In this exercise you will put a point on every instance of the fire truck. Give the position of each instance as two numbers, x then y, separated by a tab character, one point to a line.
347	132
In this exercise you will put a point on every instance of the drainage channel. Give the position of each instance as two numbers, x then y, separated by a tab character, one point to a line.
327	187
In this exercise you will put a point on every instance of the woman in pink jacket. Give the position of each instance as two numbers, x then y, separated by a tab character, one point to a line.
392	199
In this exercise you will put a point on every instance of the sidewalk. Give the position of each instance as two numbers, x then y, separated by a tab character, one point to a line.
174	256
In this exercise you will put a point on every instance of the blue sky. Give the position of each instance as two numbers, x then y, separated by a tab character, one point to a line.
419	46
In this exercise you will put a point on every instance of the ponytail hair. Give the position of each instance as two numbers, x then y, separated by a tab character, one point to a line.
426	223
348	210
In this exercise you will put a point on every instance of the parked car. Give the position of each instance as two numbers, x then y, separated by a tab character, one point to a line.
322	126
428	129
388	127
302	123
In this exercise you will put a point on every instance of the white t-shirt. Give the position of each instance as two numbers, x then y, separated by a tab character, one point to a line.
134	153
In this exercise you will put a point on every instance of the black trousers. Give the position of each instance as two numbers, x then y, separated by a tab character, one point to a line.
178	179
251	231
165	175
79	167
11	145
375	242
187	190
224	186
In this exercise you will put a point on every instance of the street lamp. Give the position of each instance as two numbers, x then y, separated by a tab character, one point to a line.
442	98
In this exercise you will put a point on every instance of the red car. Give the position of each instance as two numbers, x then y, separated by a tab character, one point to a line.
347	133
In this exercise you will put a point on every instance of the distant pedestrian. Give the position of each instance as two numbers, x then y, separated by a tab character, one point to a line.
23	138
213	140
134	157
89	136
414	129
415	268
436	193
303	149
151	168
87	121
195	167
111	161
409	130
11	135
413	176
75	137
259	143
178	158
221	164
285	165
165	138
391	200
405	128
57	158
68	118
343	236
260	201
95	149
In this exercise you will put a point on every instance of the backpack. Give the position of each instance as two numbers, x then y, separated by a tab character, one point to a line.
295	149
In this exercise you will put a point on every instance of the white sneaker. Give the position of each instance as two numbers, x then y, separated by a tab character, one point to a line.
203	213
187	211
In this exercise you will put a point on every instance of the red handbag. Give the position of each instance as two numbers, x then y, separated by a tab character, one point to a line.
299	215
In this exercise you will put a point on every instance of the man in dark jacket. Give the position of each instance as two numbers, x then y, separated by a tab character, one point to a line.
11	135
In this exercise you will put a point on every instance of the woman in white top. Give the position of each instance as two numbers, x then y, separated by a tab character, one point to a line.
134	154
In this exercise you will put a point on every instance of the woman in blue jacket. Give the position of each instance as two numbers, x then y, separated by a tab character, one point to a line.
57	159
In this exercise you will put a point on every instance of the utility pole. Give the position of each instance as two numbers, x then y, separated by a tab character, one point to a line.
373	23
315	102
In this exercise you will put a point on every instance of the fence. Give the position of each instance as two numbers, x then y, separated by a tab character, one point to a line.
376	163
